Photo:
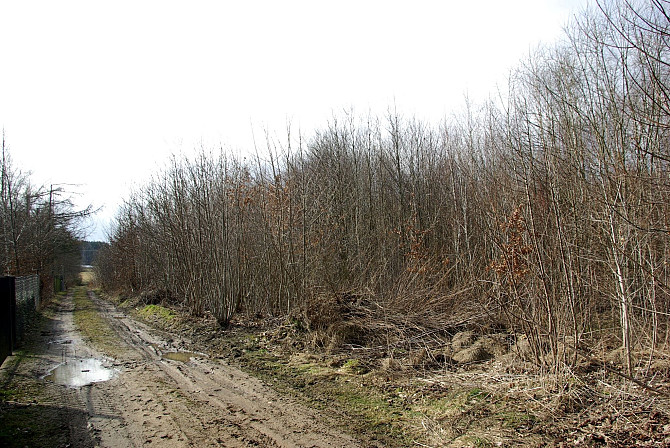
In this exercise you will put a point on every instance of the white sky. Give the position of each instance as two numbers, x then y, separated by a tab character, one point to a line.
101	93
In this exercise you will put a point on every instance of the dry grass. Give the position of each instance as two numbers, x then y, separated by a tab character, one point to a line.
479	384
87	276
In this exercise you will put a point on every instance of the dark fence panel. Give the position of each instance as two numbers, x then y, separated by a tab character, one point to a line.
19	298
7	312
59	283
27	290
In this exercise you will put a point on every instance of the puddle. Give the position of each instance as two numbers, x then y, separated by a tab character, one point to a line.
181	356
61	341
80	372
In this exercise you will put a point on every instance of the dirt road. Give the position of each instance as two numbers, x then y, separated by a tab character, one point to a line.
152	400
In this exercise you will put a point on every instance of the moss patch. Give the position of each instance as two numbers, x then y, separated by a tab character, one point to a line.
354	367
153	312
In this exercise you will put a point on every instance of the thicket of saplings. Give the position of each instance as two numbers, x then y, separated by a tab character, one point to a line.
545	212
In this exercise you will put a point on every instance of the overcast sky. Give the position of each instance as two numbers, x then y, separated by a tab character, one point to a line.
100	94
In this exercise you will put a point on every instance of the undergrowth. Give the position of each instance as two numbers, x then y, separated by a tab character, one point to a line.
420	396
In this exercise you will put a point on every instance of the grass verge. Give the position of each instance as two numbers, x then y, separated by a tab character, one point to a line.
341	389
385	409
92	326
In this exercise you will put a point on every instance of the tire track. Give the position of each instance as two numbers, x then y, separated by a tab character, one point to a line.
204	402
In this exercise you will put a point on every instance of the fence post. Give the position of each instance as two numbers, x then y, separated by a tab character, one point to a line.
7	317
59	283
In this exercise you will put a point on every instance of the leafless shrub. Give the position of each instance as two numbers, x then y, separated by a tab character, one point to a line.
544	215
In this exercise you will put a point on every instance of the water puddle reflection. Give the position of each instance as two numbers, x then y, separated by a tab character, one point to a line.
181	356
79	372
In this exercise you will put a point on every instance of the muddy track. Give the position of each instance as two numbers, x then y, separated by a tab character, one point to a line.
157	401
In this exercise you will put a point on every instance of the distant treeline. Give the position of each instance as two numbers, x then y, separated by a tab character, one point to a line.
89	251
547	211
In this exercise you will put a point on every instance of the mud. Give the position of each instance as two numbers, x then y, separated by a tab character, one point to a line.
194	402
